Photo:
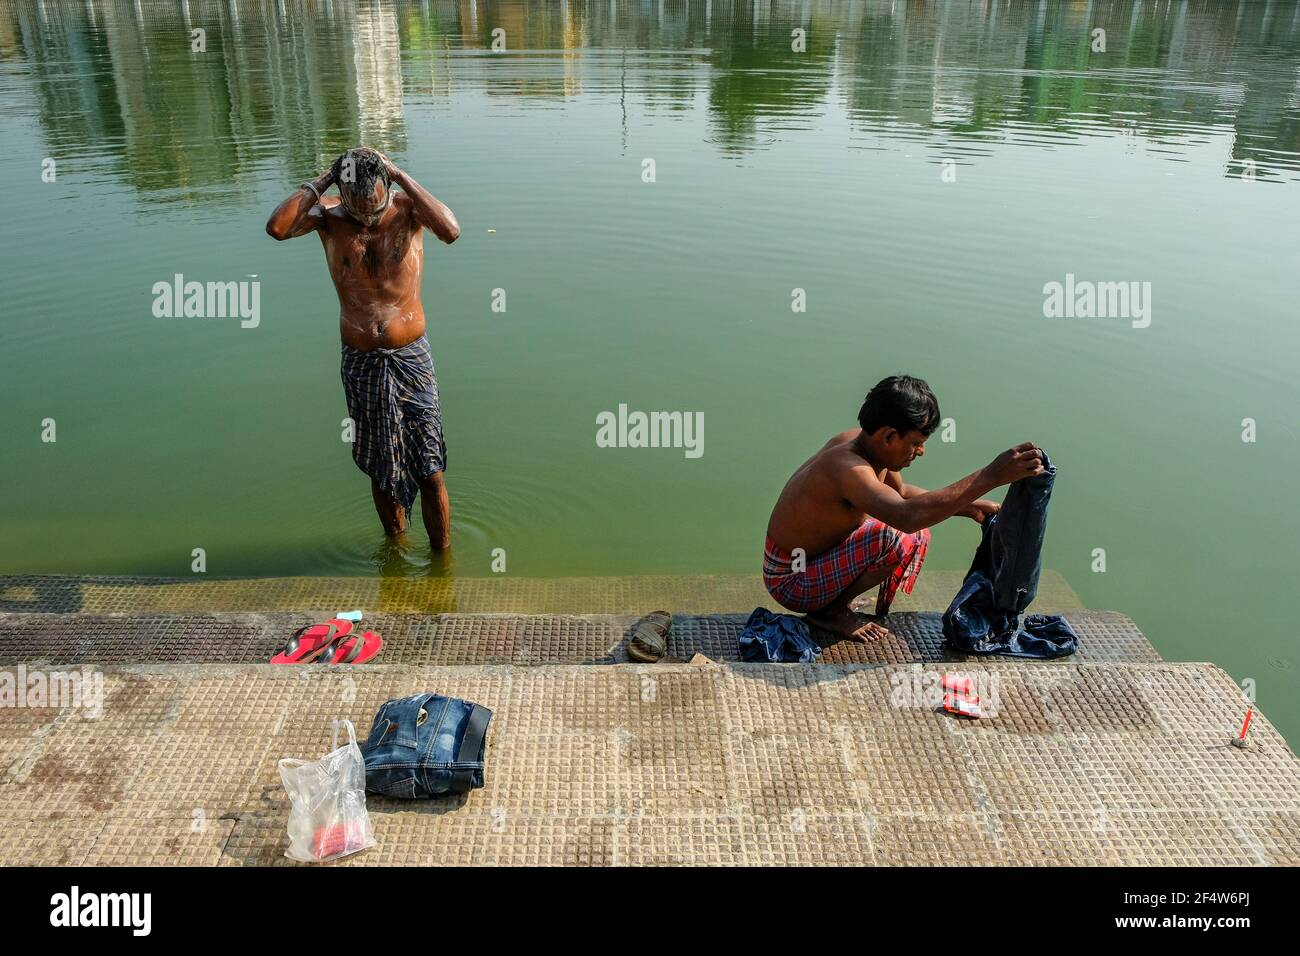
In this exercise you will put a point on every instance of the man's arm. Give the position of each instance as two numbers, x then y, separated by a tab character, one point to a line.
429	212
302	212
910	515
977	510
895	480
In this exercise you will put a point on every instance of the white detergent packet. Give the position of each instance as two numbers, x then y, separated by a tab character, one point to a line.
328	817
353	616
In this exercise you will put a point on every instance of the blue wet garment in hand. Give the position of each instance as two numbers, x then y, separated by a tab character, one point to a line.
777	639
984	617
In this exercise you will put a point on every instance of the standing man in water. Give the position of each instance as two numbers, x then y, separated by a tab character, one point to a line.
374	247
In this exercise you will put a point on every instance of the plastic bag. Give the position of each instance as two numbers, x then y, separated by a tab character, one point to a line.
328	817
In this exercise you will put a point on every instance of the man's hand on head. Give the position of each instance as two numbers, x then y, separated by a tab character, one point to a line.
390	167
336	168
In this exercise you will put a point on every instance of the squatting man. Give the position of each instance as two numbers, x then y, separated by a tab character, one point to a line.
847	522
374	248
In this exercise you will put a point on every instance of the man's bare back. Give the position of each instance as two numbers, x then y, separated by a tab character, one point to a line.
812	511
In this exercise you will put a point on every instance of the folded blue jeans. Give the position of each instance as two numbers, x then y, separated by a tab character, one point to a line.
412	756
777	639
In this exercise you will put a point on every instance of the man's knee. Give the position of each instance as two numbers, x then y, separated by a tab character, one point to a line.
896	550
432	483
902	546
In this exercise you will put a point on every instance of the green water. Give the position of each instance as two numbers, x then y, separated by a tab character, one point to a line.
1171	158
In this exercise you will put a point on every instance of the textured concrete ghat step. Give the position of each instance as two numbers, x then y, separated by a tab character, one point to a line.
504	594
483	638
1102	763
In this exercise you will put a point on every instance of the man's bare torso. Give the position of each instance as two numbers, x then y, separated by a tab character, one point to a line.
812	512
376	272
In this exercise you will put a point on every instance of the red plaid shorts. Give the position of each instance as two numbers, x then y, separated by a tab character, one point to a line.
874	546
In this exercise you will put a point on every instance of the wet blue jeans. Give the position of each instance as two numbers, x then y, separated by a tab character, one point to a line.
984	617
408	755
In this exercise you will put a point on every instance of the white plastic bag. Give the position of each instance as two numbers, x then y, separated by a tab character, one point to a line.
328	816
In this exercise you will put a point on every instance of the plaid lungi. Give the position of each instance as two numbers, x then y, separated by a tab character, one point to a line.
393	402
873	546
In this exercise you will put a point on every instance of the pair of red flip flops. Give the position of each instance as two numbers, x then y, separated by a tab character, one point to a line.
329	643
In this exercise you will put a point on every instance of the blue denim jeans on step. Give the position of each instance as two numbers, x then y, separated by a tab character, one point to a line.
409	756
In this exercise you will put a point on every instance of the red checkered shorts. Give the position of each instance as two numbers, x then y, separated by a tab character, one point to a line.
874	546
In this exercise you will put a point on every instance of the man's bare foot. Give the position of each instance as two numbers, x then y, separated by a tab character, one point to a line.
842	621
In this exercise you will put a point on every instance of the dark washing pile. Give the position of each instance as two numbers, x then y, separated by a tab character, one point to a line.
777	639
984	617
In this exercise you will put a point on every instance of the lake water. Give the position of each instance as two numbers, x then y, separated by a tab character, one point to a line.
920	170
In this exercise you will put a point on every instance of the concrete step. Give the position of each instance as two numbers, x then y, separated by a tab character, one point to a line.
1085	763
499	594
456	639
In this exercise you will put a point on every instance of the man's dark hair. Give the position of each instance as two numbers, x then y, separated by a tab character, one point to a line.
900	402
366	168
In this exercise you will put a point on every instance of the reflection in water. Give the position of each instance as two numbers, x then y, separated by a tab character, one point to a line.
378	58
393	557
414	578
296	82
405	556
120	79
